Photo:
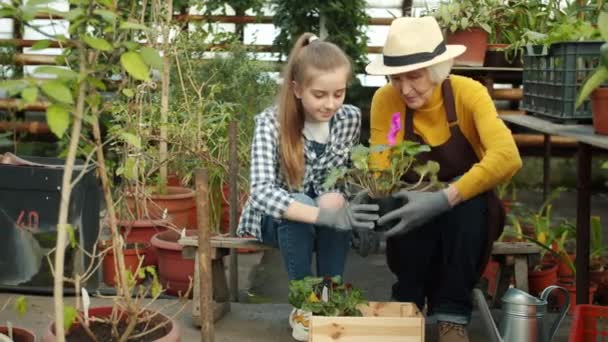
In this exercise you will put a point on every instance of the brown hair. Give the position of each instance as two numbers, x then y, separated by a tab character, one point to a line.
318	55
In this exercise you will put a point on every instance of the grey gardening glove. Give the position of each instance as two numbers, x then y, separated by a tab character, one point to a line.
349	216
420	207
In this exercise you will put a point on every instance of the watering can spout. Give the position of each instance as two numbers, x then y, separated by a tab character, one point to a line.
486	316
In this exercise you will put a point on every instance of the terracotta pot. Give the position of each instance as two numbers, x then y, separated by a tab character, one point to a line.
179	203
599	107
571	287
540	280
142	231
19	334
476	41
507	205
174	271
132	253
563	270
172	333
601	279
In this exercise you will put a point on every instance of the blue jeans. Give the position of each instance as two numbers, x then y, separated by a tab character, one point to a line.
298	240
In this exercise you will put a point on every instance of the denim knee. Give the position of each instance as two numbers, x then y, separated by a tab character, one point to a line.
304	199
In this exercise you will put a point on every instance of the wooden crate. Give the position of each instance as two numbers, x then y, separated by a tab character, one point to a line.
381	322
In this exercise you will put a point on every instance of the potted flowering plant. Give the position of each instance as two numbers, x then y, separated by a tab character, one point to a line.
381	183
326	296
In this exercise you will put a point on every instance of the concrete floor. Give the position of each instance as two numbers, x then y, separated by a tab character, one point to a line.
263	281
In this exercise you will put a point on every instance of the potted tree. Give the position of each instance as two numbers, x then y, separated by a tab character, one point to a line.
595	84
103	42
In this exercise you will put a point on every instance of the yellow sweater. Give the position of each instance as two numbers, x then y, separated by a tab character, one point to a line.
478	120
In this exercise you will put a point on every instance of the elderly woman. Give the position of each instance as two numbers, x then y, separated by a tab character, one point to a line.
443	239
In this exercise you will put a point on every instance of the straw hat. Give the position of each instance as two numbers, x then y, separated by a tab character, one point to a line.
413	43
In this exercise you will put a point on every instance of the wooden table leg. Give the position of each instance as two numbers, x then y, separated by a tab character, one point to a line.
521	272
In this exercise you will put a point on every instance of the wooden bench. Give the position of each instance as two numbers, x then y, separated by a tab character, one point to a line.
513	257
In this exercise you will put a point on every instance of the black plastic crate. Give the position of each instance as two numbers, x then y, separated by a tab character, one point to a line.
29	209
553	76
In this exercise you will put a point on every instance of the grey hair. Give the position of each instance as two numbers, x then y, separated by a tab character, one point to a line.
441	71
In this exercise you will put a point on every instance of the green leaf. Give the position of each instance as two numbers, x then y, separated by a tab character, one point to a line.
13	87
106	15
58	118
602	24
60	72
127	25
152	57
58	91
155	287
71	235
599	76
30	94
20	306
39	2
129	171
41	44
74	13
135	65
131	139
97	43
131	45
128	92
69	317
97	83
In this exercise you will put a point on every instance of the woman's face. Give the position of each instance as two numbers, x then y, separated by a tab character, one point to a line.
323	95
415	87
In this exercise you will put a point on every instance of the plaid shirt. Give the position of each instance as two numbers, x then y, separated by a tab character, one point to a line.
269	194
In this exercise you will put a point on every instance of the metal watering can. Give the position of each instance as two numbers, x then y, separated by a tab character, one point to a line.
523	318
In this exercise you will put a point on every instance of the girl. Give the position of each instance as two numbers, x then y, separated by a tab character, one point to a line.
296	143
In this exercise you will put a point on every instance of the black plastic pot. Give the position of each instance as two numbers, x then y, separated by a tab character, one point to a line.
386	205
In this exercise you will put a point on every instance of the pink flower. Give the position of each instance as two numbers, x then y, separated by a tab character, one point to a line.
395	128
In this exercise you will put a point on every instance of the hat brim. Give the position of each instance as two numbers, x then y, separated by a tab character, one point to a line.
377	67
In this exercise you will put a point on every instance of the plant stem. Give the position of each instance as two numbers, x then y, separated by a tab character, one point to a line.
164	100
66	191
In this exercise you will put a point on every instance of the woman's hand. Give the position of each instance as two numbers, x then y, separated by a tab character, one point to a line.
419	209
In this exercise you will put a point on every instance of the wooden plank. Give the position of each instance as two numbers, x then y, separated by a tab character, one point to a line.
205	283
521	272
382	322
525	140
222	241
511	112
510	94
219	311
500	248
585	134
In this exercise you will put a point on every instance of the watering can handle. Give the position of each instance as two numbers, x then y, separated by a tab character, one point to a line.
562	314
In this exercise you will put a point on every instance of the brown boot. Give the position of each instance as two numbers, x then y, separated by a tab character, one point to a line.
452	332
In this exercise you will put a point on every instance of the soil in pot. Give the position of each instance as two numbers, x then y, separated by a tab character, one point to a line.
19	334
103	331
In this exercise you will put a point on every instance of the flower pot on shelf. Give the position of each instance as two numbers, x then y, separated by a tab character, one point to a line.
497	58
19	334
599	106
476	41
563	270
102	330
132	253
174	272
600	277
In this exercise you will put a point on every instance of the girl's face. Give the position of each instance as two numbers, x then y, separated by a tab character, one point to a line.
323	95
415	87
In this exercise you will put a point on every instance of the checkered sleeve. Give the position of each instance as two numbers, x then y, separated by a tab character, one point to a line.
266	194
348	130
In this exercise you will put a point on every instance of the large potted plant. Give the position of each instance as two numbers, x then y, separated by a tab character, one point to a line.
595	85
382	183
468	23
103	42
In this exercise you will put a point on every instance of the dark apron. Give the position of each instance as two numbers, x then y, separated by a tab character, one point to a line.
456	157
